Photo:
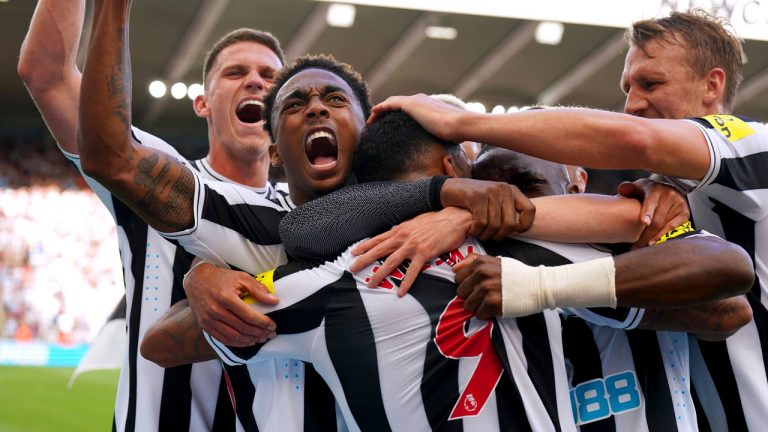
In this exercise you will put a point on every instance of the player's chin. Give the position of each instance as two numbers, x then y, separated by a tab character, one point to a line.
328	181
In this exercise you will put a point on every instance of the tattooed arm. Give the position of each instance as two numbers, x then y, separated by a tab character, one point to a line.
176	339
154	184
711	321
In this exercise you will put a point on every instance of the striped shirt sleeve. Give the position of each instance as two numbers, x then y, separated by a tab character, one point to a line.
233	227
738	150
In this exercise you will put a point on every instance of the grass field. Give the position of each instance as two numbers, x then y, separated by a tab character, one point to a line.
37	399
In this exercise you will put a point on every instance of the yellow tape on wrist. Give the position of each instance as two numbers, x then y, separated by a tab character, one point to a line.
266	279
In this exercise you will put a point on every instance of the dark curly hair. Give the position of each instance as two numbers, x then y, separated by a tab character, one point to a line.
321	61
394	146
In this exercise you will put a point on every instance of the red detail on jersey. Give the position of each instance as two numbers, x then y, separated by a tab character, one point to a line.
453	342
385	283
455	256
397	274
230	390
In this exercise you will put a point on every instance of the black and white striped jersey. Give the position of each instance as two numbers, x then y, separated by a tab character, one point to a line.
420	362
634	380
622	380
150	398
235	228
731	201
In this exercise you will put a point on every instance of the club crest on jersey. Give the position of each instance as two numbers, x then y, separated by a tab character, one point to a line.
470	403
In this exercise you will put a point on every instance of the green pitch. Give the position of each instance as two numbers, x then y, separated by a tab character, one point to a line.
37	399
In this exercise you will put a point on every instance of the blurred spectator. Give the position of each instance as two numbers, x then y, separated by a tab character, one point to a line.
59	274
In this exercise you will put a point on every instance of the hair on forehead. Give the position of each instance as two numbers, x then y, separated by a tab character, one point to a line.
709	41
241	35
324	62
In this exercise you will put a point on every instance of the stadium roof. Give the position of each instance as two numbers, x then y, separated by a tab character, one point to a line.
496	61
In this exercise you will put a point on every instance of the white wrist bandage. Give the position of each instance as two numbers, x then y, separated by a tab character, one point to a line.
526	290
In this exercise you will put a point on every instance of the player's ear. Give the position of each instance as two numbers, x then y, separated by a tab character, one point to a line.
448	168
572	188
274	156
578	179
201	106
715	85
457	164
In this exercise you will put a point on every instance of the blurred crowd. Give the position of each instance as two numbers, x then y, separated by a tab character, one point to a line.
59	267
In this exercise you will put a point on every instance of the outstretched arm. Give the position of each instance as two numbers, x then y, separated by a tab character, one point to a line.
576	218
711	321
47	66
585	218
590	138
154	184
673	274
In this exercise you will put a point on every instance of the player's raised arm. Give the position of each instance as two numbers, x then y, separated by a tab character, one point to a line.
47	66
154	184
590	138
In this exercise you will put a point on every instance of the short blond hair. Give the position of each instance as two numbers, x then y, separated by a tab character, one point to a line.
710	40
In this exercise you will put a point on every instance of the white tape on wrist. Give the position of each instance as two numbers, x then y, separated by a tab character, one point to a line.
526	290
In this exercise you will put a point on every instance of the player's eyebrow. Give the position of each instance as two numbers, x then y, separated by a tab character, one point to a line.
303	93
331	88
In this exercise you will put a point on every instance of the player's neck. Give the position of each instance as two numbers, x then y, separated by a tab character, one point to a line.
713	109
250	172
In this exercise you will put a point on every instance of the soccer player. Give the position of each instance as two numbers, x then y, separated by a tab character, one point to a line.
596	354
687	65
237	73
367	341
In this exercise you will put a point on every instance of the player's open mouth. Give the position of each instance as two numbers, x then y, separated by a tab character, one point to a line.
249	111
321	149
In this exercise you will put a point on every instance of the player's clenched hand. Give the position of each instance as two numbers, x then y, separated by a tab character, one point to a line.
437	117
418	240
479	283
498	209
215	296
663	209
